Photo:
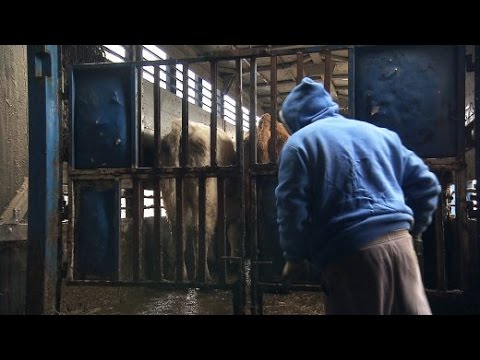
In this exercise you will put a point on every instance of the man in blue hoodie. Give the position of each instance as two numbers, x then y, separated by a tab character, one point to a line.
350	197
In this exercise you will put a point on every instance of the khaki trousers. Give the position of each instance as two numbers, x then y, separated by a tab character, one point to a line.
382	278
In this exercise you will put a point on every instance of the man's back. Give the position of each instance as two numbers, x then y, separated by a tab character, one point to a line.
344	182
348	195
355	172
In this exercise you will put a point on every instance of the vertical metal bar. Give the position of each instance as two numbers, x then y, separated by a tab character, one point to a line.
137	228
461	234
440	242
221	228
139	57
117	216
184	138
241	161
239	112
351	82
71	229
157	241
299	67
476	243
255	294
157	127
328	70
61	239
202	248
273	106
71	194
157	226
198	92
253	111
129	52
221	111
179	241
240	299
172	78
213	115
44	179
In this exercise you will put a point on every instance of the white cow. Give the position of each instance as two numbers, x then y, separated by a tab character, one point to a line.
199	156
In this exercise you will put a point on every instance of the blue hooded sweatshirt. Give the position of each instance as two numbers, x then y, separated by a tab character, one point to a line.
342	182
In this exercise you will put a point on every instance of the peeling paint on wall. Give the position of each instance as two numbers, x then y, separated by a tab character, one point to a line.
13	121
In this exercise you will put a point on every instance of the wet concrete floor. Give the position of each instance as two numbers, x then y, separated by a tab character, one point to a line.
83	300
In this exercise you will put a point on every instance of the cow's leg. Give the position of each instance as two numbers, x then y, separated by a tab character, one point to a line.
191	252
183	272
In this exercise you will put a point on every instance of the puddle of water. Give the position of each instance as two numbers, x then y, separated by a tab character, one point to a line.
143	301
189	302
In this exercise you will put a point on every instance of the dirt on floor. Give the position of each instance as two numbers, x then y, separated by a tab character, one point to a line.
92	300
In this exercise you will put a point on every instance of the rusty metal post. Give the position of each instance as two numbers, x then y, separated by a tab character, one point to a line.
253	111
351	83
138	254
328	70
273	106
202	247
221	229
462	237
184	138
213	115
299	67
239	112
256	293
157	134
179	183
138	56
44	180
440	242
475	245
178	235
240	291
158	245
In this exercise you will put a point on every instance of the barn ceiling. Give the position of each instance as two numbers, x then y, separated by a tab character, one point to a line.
313	66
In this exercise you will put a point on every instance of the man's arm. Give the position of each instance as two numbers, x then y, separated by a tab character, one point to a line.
421	189
293	195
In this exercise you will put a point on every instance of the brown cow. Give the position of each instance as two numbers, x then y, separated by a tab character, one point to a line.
264	156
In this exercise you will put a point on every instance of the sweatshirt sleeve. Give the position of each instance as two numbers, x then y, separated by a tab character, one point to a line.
293	208
421	190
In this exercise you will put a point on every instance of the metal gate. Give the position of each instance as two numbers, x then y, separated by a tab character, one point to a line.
108	155
266	255
419	92
108	152
107	165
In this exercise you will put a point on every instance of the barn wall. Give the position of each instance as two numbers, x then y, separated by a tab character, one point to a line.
13	121
171	108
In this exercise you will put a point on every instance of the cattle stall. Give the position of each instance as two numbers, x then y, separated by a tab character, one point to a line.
421	92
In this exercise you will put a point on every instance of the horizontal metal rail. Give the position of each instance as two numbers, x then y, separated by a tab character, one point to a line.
258	53
208	171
